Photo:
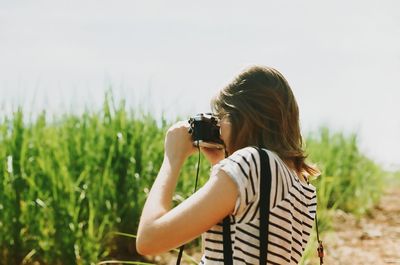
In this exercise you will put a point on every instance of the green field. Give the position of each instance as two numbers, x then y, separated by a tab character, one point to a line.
67	184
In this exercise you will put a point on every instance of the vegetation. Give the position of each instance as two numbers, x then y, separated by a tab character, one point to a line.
67	185
350	181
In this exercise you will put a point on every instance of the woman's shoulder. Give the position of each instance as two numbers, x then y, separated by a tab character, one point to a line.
247	155
250	155
253	151
249	150
241	164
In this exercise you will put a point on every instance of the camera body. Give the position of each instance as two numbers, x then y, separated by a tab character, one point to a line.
205	131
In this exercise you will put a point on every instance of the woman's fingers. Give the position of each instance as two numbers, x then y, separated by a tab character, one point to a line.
178	141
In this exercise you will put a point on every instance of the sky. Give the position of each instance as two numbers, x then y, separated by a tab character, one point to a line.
341	58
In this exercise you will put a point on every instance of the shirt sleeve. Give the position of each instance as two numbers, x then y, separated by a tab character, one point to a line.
242	167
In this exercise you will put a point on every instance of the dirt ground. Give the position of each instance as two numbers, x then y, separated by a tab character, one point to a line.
375	239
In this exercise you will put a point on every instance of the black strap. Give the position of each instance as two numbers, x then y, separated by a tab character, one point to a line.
320	248
264	191
226	233
178	260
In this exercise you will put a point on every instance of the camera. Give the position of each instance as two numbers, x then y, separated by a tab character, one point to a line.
205	131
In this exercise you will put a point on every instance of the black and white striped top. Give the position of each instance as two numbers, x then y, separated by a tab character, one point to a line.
292	212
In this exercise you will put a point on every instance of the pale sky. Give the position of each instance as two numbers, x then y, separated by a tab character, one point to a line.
342	58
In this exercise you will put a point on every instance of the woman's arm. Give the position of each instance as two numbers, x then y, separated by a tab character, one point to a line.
162	228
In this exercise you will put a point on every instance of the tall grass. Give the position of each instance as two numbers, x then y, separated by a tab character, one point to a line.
66	184
350	181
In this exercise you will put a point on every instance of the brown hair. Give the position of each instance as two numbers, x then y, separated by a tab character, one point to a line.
263	112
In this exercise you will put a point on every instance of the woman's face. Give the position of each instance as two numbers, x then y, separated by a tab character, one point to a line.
225	127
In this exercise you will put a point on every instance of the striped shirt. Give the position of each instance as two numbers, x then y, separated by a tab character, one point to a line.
292	212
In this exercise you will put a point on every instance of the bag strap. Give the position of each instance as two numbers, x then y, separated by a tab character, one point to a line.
265	191
226	233
265	187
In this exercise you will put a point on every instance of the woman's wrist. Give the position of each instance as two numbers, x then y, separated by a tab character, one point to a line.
174	163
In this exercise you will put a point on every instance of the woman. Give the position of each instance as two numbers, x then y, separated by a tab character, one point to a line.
257	108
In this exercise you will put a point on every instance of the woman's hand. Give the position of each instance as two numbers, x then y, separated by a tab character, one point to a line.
178	143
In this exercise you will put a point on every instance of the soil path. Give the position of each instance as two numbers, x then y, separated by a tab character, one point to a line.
375	239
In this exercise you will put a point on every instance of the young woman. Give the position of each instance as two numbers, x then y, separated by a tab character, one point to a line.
259	109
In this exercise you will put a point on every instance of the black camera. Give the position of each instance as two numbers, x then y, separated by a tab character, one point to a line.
205	131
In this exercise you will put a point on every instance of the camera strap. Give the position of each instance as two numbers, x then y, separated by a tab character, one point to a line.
265	187
180	253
